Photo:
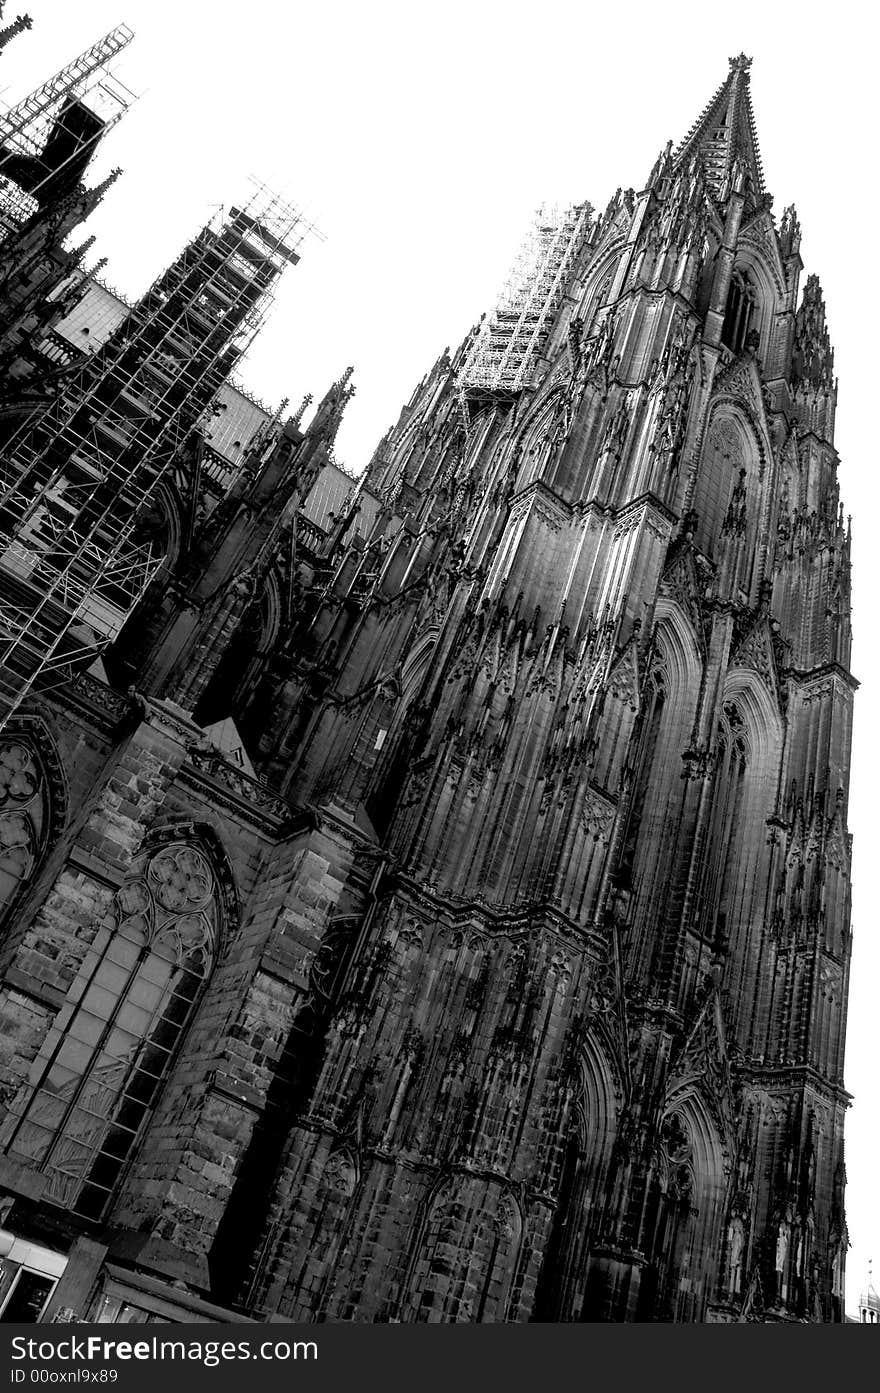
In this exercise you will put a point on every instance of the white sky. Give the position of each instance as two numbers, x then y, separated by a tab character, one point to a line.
419	137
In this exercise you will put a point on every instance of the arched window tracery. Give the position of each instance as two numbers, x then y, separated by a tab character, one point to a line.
29	804
727	500
595	296
739	313
685	1211
732	760
98	1076
652	716
650	842
22	814
541	435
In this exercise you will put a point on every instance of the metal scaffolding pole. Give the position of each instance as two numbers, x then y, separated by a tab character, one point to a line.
507	350
52	133
76	477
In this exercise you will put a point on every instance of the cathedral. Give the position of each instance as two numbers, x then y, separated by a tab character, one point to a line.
425	895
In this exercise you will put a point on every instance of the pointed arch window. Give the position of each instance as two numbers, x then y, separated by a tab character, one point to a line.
99	1074
731	764
652	717
685	1212
739	312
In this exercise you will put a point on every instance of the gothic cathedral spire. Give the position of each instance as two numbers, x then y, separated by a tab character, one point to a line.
725	141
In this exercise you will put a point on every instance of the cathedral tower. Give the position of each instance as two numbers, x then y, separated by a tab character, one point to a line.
591	706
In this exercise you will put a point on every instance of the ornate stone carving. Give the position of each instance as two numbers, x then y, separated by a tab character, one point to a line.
623	679
603	989
173	903
250	791
506	1219
830	977
98	694
19	780
340	1174
676	1152
22	815
597	816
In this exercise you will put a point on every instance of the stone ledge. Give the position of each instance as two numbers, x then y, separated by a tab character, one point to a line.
286	964
244	1094
171	1300
221	793
33	987
101	871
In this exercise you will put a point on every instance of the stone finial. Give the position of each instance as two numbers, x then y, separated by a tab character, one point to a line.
812	355
328	416
97	193
790	232
11	31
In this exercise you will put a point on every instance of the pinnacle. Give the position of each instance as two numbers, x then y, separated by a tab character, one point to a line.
328	416
813	290
812	355
100	189
19	24
790	232
299	413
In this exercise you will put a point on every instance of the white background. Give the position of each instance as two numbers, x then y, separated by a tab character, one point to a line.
420	138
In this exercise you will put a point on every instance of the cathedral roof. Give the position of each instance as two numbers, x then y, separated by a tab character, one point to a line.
725	140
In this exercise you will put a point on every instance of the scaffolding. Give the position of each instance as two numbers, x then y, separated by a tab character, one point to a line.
507	352
47	139
77	478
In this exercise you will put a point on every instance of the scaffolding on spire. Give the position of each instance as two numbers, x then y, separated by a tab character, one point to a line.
506	353
77	476
47	139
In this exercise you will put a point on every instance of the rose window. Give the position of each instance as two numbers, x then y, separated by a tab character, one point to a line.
181	879
18	777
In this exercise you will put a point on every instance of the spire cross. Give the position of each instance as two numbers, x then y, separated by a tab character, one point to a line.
740	64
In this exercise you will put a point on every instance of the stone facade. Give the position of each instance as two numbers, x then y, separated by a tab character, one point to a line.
493	965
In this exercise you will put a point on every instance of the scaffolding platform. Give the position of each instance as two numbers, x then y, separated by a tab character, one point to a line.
506	354
47	139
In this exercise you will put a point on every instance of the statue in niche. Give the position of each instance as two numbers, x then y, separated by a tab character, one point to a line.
783	1236
735	1245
